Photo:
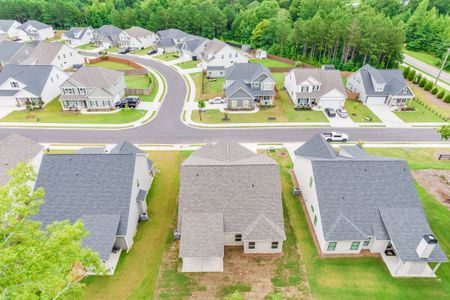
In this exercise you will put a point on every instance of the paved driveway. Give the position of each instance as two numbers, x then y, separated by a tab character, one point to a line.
5	111
386	116
341	122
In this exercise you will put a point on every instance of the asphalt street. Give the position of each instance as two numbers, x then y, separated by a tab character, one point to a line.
167	128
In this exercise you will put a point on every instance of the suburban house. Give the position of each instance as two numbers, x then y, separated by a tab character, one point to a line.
14	53
15	149
358	202
261	54
107	36
92	88
375	86
107	191
170	39
56	54
29	85
192	48
9	28
220	54
136	38
35	31
248	84
78	36
229	196
310	88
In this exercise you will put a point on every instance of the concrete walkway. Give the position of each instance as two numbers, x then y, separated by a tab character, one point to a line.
387	116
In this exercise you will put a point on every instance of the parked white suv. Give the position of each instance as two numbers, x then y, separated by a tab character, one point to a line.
335	137
217	100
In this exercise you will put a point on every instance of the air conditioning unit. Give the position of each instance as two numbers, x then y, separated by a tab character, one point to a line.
296	191
176	235
143	217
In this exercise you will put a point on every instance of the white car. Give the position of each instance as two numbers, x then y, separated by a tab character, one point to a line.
217	100
335	137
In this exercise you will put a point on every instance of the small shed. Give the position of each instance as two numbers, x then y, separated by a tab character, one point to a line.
328	67
261	54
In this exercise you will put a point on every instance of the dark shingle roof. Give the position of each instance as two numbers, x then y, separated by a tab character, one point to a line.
394	80
242	74
318	147
33	76
102	233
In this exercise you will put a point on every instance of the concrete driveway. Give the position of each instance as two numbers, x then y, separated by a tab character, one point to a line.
5	111
386	116
341	122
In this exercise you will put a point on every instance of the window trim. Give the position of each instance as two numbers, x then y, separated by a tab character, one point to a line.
238	237
331	246
251	245
366	243
352	247
274	245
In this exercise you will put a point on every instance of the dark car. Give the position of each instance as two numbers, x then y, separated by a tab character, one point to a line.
154	51
124	51
330	112
132	101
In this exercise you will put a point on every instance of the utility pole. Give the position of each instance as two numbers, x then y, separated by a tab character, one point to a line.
442	67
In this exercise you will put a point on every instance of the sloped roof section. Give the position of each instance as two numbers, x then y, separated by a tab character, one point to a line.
102	233
394	81
329	80
36	24
44	53
33	76
14	53
96	77
138	32
316	147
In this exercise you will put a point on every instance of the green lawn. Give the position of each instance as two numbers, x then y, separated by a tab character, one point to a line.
113	65
52	113
365	277
425	97
143	51
112	50
344	80
151	97
137	272
197	78
213	86
421	114
417	158
137	81
270	63
357	111
209	88
167	56
279	80
425	57
188	64
87	47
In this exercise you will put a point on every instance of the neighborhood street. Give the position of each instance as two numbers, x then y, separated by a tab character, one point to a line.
167	128
433	71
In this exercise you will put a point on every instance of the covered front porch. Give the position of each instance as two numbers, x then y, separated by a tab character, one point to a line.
399	268
397	103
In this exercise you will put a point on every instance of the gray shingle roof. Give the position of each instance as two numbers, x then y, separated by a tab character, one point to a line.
328	79
138	32
228	179
195	45
5	25
242	74
108	33
128	148
166	43
102	233
36	24
394	80
70	34
15	149
406	227
33	76
202	235
80	184
214	46
96	77
354	190
43	54
14	53
172	33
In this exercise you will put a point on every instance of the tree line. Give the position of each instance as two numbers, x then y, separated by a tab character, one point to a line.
314	31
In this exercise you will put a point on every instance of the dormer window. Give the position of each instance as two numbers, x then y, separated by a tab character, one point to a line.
256	84
315	87
14	84
304	88
405	90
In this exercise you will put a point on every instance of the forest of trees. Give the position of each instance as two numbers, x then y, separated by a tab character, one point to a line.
314	31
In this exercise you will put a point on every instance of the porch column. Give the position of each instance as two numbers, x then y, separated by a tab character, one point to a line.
436	267
398	266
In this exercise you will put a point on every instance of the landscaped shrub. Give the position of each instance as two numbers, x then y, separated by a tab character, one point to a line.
423	82
418	78
406	72
411	75
428	86
447	98
435	90
441	94
298	64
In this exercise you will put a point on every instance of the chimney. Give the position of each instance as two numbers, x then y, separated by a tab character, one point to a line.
426	246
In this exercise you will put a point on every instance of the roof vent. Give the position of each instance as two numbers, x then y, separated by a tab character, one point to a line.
253	185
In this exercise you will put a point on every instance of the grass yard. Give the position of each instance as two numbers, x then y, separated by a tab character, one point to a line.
112	50
143	51
270	63
425	57
136	274
167	56
365	277
279	80
188	64
151	97
113	65
357	111
52	113
87	47
427	97
418	158
197	78
213	86
137	81
206	89
421	114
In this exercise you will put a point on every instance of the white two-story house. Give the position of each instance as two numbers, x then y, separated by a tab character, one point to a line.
9	28
56	54
78	36
385	87
35	31
29	85
136	38
92	88
220	54
248	85
315	88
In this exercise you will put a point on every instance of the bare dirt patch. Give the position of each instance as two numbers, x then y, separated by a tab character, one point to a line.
436	182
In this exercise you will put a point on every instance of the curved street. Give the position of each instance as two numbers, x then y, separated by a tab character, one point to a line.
167	128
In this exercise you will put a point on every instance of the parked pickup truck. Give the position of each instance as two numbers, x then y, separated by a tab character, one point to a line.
335	137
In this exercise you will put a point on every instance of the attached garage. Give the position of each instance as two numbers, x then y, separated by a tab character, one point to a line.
202	264
334	103
375	100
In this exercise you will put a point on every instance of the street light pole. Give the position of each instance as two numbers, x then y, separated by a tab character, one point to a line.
442	67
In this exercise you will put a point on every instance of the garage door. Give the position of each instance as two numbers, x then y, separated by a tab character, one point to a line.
331	103
7	102
375	100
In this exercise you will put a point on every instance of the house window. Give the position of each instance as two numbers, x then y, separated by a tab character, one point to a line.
311	181
59	57
251	245
274	245
366	243
238	238
245	103
57	76
51	79
304	88
312	208
14	84
233	103
315	88
70	53
331	246
315	220
355	245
